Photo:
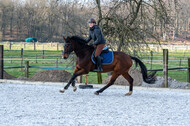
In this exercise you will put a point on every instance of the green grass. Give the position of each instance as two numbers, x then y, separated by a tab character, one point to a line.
18	72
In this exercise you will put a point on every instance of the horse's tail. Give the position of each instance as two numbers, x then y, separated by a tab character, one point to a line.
148	78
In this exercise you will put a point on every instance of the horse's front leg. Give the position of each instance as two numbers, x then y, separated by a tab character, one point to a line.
72	80
68	84
73	85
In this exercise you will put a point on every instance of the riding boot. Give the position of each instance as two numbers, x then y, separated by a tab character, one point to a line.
99	63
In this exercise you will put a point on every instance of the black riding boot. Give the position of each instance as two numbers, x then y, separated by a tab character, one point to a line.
98	63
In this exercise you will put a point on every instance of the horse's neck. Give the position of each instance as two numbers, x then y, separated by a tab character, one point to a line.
82	50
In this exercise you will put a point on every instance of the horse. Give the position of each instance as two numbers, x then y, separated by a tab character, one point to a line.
120	66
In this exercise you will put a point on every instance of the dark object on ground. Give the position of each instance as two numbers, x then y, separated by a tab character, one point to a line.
86	86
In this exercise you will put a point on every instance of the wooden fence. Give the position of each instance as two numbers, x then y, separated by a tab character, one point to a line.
165	65
32	45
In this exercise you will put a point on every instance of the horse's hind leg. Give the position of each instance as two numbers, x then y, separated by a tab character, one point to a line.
111	82
130	80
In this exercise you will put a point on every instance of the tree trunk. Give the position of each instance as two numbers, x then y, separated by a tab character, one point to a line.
99	11
120	43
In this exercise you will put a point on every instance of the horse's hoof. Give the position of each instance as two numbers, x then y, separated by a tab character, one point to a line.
74	88
62	91
129	93
96	93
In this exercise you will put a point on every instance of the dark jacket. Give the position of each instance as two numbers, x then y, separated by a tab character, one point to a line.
95	33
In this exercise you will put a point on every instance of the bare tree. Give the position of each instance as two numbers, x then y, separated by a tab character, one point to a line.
125	23
134	21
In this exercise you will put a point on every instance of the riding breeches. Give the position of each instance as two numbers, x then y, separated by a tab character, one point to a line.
99	49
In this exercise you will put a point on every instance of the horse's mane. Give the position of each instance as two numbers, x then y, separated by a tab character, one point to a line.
79	39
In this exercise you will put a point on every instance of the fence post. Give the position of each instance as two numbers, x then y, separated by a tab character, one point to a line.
188	71
165	67
10	46
21	57
99	75
57	46
134	54
180	62
36	58
1	62
34	46
24	45
27	69
57	63
151	53
43	53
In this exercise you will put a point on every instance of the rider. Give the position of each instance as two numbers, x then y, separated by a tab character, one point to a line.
95	33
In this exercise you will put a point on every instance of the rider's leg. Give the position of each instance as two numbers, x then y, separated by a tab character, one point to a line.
98	58
99	62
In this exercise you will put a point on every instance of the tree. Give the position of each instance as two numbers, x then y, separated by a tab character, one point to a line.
125	23
133	21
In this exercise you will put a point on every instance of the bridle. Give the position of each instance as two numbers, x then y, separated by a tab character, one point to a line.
68	48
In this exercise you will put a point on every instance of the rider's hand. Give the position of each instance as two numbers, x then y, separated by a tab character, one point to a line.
91	44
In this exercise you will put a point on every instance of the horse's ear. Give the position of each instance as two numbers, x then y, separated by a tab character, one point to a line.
64	38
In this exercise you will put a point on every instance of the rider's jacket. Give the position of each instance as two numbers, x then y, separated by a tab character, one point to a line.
95	33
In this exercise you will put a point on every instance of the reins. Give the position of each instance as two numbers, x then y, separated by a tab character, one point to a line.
77	51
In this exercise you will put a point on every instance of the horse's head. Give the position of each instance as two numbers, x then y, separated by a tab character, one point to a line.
67	48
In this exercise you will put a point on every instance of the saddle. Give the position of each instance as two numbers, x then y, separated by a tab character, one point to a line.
107	56
105	49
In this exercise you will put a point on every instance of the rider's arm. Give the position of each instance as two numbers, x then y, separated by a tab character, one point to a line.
89	38
98	35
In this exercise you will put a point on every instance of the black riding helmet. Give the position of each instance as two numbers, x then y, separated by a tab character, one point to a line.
92	20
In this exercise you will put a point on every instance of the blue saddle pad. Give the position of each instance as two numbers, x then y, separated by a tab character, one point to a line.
107	57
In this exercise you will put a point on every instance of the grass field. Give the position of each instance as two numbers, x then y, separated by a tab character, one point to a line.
52	55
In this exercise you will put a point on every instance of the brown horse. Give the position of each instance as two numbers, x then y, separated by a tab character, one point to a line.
120	65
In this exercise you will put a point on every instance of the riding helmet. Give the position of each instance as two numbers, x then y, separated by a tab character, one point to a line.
92	20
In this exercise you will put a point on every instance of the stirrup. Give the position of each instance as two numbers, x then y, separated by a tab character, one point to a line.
98	69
